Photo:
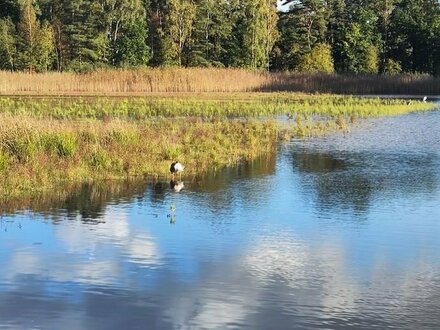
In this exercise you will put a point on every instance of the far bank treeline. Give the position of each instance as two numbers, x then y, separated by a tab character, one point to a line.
352	36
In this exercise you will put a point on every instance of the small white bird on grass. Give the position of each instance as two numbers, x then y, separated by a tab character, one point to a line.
425	98
176	167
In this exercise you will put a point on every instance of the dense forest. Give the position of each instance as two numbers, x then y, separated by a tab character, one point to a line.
346	36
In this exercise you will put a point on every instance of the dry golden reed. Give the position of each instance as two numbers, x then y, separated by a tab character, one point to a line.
200	80
117	82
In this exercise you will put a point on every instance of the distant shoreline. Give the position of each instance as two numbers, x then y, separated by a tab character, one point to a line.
433	98
419	97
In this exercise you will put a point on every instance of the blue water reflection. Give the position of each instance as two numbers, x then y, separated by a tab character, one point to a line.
335	232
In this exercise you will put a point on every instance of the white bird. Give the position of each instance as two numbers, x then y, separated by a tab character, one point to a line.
176	167
425	98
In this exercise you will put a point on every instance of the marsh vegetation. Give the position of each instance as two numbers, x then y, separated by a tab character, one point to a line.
48	141
36	153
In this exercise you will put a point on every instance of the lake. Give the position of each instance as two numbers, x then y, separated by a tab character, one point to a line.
335	232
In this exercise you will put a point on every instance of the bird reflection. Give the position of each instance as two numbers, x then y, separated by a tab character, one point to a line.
176	185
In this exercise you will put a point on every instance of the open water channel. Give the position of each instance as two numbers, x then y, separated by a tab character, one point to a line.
337	232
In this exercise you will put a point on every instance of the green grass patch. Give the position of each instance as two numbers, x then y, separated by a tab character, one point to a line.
63	144
207	106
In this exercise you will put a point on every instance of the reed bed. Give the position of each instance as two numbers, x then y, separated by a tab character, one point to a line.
201	80
142	81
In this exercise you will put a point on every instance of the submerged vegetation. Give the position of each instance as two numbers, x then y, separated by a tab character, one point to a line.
48	141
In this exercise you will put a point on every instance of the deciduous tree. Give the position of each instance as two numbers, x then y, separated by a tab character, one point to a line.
318	60
8	50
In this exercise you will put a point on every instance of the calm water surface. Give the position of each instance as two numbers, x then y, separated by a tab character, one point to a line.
332	233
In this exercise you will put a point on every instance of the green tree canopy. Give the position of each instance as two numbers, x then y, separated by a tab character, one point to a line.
374	36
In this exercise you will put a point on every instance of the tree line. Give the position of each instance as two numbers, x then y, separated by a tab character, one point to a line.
348	36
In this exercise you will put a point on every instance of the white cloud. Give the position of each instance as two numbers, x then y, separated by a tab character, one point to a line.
77	236
143	250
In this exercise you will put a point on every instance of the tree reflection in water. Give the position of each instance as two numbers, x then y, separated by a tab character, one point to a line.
350	181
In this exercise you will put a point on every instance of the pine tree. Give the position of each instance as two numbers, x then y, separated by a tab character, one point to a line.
414	35
131	49
360	52
164	49
11	9
84	34
304	25
212	28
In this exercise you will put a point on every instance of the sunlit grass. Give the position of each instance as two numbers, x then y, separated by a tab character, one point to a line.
238	105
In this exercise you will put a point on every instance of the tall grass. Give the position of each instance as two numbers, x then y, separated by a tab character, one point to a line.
37	153
200	80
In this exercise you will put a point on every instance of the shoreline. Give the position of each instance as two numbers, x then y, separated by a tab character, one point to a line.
141	94
430	98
